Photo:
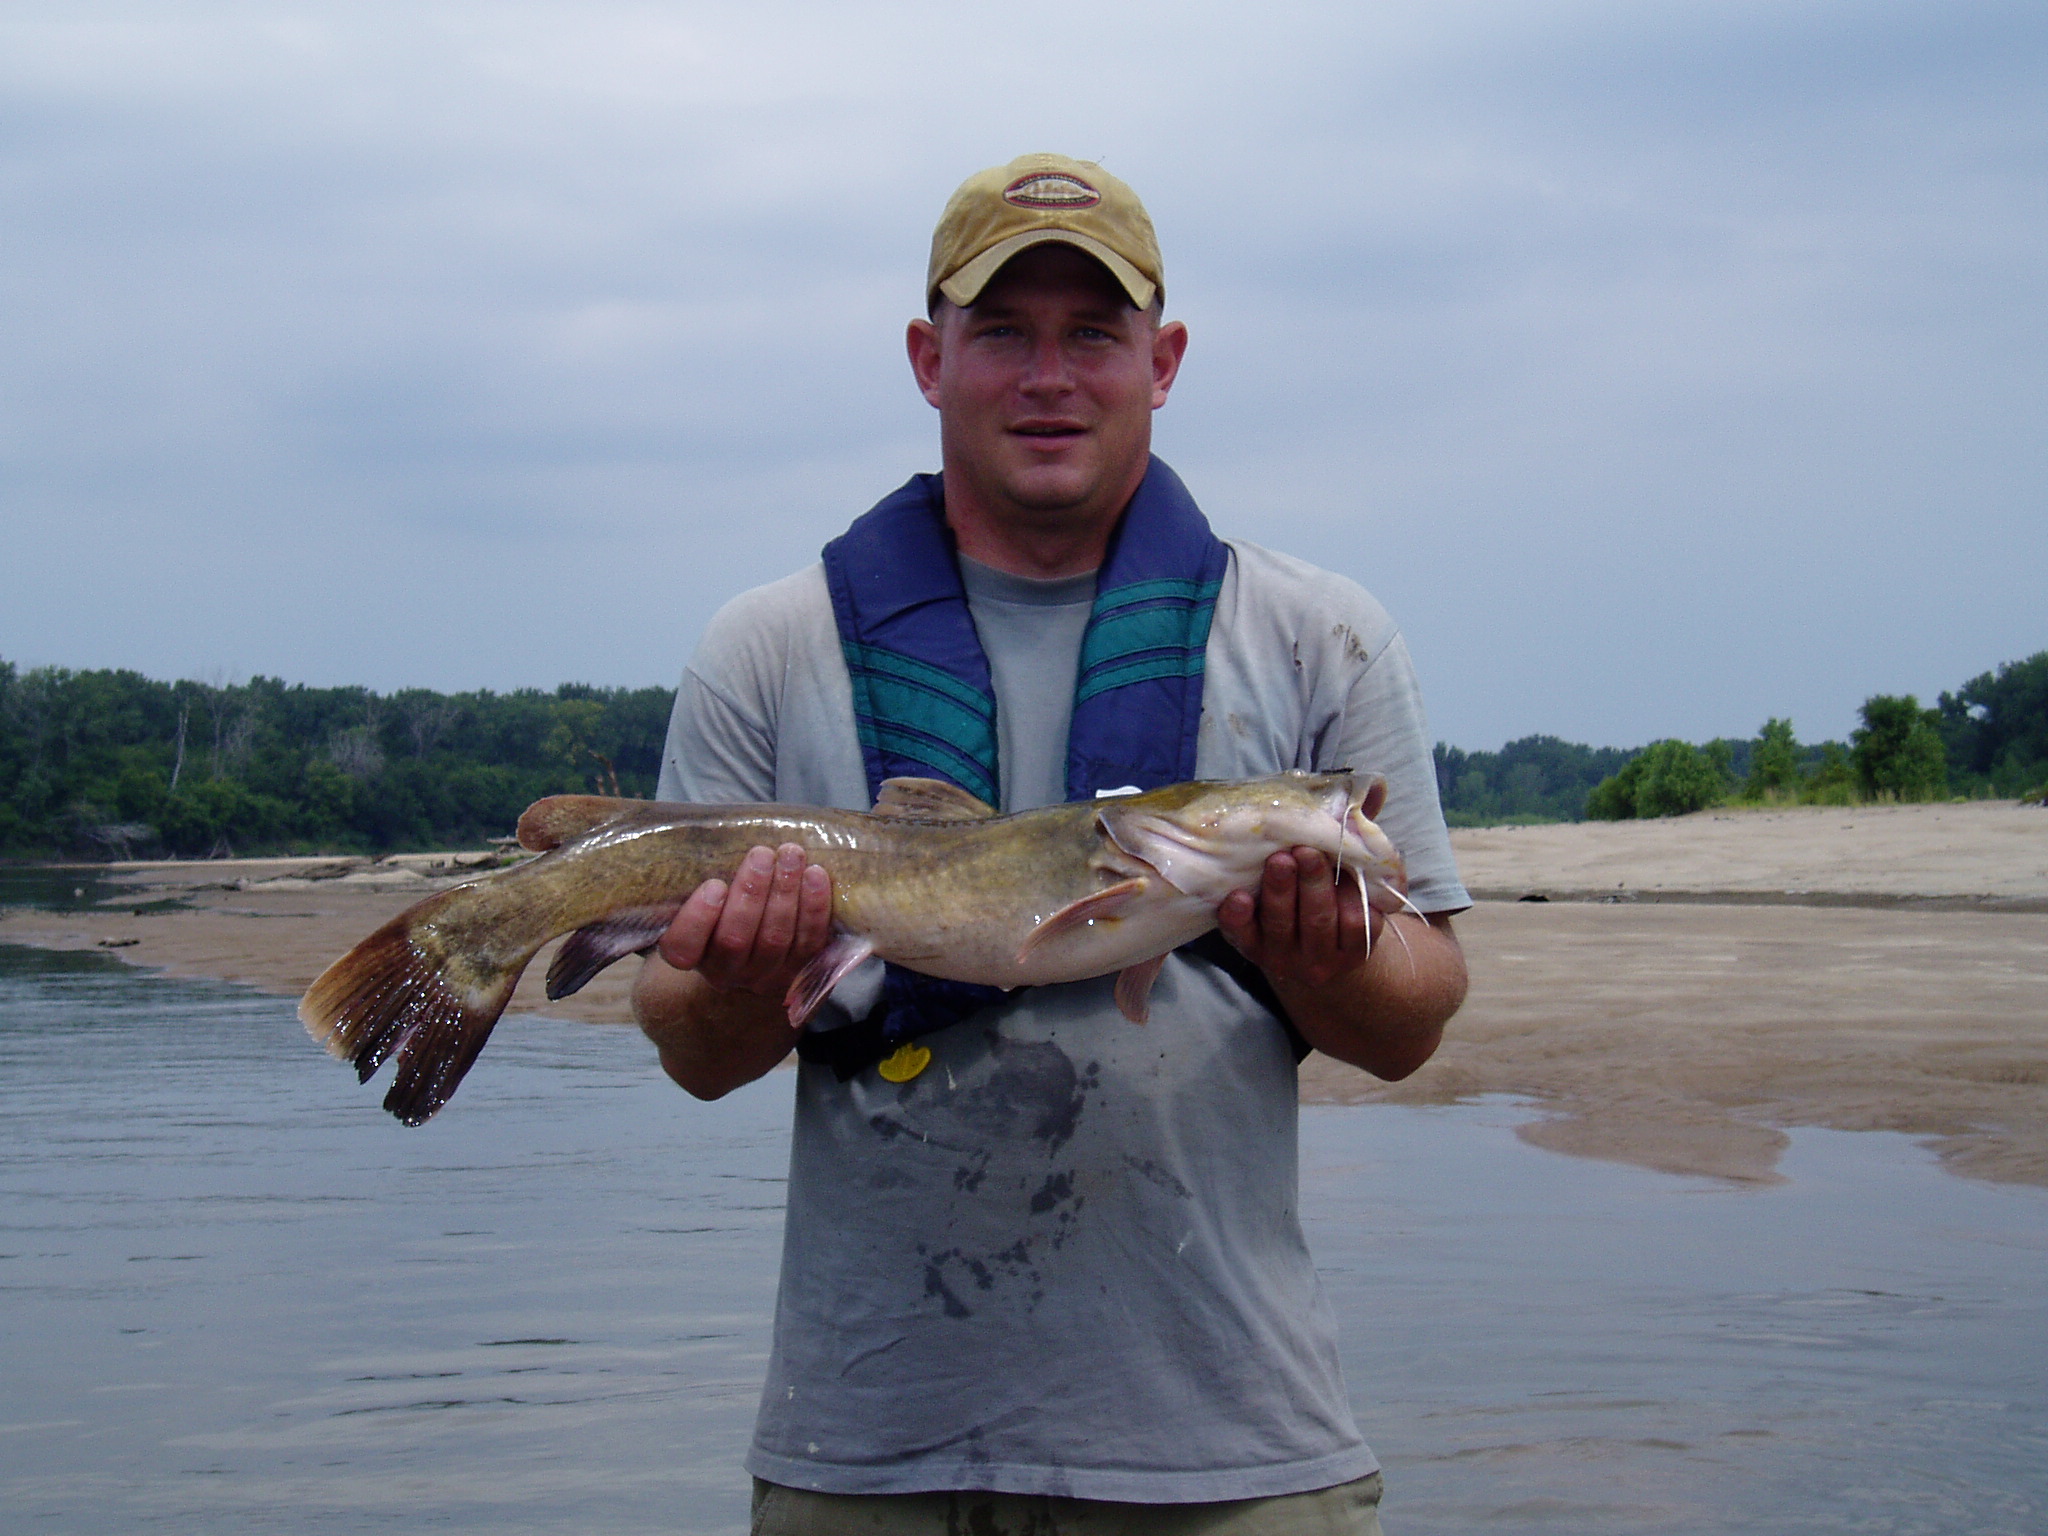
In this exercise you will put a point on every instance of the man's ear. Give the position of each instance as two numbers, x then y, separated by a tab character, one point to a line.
922	342
1169	346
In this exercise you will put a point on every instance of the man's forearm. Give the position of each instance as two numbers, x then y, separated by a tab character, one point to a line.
1387	1014
710	1041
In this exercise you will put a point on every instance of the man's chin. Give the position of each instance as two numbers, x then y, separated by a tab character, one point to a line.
1051	492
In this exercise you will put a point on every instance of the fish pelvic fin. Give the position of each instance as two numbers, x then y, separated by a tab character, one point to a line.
404	991
591	948
827	968
562	819
1134	988
1103	904
914	799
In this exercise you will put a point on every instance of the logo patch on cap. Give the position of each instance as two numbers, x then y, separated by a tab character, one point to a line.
1051	189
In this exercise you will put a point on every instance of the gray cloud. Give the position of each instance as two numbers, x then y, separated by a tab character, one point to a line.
1661	367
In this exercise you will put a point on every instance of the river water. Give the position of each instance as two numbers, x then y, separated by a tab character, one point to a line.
235	1296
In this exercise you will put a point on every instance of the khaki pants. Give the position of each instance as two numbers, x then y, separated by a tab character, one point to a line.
1349	1509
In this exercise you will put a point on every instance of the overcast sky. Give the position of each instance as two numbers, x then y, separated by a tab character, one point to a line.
1662	366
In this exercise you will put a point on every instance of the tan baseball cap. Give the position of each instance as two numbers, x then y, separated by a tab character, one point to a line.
1036	198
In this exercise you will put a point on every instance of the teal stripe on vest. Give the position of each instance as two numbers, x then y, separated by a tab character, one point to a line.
1147	630
1149	591
936	755
909	669
920	712
1139	669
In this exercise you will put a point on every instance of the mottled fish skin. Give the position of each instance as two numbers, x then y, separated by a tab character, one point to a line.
931	880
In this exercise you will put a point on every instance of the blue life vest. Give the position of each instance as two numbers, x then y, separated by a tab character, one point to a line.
924	704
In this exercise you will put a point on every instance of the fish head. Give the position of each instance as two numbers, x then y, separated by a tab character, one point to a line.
1207	839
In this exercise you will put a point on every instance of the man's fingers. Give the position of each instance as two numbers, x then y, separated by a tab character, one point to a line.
732	942
814	912
1277	887
1237	916
682	946
779	912
1315	903
1354	922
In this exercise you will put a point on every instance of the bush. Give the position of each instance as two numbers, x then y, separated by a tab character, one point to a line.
1996	727
1833	780
1668	778
1898	750
1614	799
1773	761
1677	778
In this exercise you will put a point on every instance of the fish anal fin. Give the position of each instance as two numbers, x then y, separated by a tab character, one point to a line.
593	947
1134	988
561	819
828	967
910	799
1105	903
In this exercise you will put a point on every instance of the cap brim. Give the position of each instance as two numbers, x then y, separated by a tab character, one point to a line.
965	285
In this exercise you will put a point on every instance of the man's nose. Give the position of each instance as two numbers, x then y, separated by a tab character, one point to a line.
1046	368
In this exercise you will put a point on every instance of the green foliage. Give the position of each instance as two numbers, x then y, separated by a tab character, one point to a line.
1773	762
1667	778
1678	778
1898	750
1833	779
1995	728
1614	799
1538	778
112	764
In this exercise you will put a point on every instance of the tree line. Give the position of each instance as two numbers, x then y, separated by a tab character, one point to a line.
117	765
112	764
1987	739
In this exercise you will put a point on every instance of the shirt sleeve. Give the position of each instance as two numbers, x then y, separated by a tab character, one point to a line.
1384	731
717	753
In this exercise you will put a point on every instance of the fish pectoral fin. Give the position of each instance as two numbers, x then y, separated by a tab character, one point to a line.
1134	988
1157	842
590	949
912	799
828	967
562	819
1105	903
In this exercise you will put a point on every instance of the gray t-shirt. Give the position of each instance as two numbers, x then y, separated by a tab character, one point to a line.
1066	1258
1031	632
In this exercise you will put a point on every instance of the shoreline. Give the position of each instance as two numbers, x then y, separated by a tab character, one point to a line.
1682	992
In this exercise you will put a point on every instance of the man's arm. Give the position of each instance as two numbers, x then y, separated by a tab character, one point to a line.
710	996
1371	990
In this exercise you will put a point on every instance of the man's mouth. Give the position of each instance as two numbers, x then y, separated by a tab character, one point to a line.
1049	431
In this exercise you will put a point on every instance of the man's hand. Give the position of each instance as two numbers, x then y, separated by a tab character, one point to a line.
1302	925
1366	988
711	995
757	933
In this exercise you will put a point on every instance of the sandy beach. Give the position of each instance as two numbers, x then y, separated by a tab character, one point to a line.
1685	990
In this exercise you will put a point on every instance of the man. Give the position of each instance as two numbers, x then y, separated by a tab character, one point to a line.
1042	1269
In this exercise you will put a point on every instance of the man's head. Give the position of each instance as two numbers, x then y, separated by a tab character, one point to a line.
1045	357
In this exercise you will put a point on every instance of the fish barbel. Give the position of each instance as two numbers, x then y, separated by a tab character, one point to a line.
931	879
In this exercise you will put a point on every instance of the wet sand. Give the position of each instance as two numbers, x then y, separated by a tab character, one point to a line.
1883	968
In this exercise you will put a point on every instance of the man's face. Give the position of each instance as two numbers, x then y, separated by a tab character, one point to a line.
1045	387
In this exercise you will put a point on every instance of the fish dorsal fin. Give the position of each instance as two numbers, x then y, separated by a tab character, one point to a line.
929	800
561	819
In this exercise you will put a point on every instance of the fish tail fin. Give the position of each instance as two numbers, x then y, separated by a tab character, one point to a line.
406	991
